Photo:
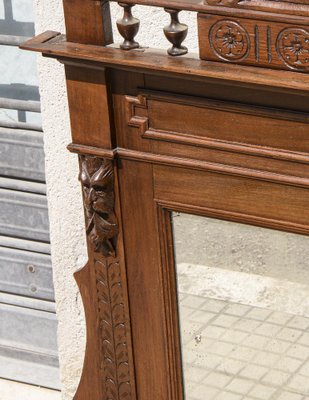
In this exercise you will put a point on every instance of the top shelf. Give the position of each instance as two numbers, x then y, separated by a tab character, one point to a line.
267	9
53	44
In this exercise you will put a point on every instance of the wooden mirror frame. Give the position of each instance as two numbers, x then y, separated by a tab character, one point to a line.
224	135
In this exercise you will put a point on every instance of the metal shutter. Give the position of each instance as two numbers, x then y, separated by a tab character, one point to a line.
28	348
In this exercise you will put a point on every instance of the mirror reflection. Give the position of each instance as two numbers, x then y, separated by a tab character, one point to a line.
243	294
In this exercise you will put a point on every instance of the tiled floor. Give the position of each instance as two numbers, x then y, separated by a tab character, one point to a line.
240	352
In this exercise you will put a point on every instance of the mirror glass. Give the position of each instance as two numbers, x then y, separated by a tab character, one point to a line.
243	295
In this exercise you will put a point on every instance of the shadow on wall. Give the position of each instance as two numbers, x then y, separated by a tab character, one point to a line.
20	91
8	26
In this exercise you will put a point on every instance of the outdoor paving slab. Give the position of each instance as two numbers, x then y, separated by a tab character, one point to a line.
10	390
240	352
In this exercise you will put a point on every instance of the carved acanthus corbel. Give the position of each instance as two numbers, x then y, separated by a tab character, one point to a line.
97	178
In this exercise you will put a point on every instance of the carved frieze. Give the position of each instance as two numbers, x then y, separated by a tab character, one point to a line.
254	42
290	7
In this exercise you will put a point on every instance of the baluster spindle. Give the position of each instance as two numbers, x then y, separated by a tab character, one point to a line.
128	27
175	33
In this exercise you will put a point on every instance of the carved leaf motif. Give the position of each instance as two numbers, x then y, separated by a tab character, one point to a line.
115	362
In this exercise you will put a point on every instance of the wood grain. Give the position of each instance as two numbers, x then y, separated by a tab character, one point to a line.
88	21
144	282
85	90
276	204
157	62
251	42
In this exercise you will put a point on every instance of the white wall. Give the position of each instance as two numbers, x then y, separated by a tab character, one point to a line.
64	197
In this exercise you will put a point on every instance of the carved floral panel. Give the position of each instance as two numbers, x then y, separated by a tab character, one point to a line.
254	42
297	7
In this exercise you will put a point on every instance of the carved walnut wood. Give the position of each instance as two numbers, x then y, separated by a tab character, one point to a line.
176	33
97	179
224	136
114	349
254	42
128	27
270	5
143	110
133	119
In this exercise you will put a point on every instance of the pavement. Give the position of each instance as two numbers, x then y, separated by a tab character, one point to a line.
10	390
241	352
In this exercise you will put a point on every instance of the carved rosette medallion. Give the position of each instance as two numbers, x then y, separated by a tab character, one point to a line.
293	48
97	178
229	40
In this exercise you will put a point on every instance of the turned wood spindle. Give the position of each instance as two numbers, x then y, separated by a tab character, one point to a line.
128	27
175	33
